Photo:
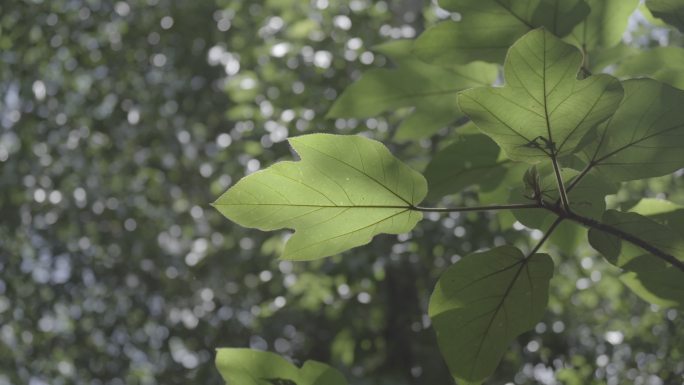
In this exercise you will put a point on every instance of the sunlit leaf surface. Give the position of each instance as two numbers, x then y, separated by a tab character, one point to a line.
671	11
430	89
587	198
543	110
604	26
665	64
488	28
254	367
345	190
660	223
483	302
645	137
470	160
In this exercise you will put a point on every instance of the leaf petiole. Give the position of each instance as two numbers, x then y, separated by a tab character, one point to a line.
562	192
546	236
476	208
625	236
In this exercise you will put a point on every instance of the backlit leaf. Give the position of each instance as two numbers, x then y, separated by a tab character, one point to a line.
662	211
665	64
344	191
620	253
659	223
603	57
649	18
488	28
483	302
645	137
655	281
470	159
429	88
254	367
604	26
671	11
543	110
396	49
586	199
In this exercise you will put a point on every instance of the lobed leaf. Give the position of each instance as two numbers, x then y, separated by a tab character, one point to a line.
254	367
645	136
586	199
344	191
620	253
396	49
658	223
665	64
662	211
483	302
605	24
601	58
429	88
488	28
654	281
543	111
671	11
469	160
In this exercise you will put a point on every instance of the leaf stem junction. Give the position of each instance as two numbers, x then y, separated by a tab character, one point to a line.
563	214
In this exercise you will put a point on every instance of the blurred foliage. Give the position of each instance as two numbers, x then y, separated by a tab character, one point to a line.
121	120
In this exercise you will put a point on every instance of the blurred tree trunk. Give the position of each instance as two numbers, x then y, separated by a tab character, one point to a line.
403	310
410	12
402	302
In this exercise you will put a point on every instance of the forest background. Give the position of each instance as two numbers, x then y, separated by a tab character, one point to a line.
121	121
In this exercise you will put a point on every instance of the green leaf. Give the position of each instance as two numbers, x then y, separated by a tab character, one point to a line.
645	137
543	111
430	89
254	367
662	63
469	160
586	199
649	18
488	28
650	278
671	11
344	191
483	302
497	191
396	49
423	121
620	253
664	212
604	26
655	281
659	223
343	347
604	57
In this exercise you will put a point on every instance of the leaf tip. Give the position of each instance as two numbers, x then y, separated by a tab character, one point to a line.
331	114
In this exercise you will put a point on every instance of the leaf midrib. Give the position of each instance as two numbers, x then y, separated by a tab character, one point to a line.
362	172
448	176
546	102
317	206
309	245
515	15
600	161
523	263
630	144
